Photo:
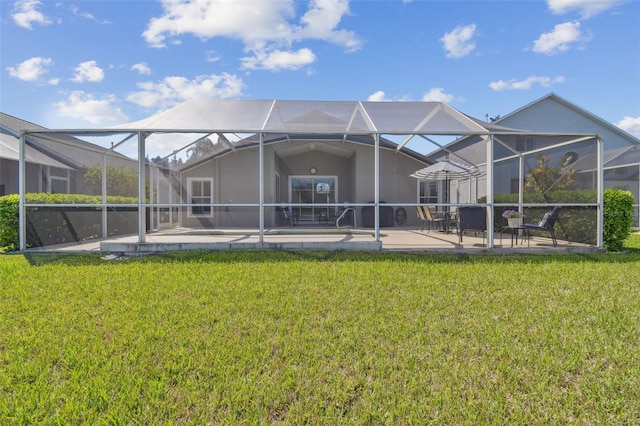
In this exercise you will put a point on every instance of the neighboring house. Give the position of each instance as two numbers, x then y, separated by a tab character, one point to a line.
621	151
53	164
553	114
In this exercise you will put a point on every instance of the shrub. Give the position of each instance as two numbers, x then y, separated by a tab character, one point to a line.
9	222
578	224
57	225
618	217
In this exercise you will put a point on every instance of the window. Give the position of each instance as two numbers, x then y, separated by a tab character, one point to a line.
200	192
58	181
428	192
525	143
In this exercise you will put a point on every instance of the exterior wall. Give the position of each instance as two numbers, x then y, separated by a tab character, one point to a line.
550	115
235	180
9	177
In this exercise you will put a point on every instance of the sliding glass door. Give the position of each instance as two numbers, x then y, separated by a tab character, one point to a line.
315	191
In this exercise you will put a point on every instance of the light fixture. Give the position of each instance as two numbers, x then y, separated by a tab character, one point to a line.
313	170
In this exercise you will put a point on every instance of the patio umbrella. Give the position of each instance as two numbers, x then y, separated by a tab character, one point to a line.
445	170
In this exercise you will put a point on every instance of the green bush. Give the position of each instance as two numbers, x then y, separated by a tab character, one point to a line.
618	217
57	225
9	222
577	224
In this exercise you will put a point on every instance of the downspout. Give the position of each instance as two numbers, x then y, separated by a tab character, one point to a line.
22	220
142	217
599	148
490	200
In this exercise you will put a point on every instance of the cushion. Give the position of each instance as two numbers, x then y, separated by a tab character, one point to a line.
544	219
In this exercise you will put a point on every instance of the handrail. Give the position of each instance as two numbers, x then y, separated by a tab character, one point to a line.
344	212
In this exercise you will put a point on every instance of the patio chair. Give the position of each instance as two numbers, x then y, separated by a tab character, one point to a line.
471	218
427	219
545	224
432	219
286	217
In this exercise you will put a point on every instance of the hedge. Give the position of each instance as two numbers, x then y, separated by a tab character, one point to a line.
577	224
58	225
618	217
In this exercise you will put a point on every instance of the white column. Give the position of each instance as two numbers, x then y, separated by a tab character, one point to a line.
376	215
104	196
490	200
261	187
22	186
600	186
142	218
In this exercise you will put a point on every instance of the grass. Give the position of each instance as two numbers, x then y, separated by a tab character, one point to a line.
320	338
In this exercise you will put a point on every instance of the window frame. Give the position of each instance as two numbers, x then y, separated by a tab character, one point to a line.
205	199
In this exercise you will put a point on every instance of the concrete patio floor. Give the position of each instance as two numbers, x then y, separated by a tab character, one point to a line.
391	239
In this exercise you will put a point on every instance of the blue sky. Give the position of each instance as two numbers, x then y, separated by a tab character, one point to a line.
85	64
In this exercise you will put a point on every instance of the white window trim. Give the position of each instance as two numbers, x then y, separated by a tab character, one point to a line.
189	182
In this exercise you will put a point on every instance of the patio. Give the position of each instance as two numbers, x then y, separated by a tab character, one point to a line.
398	239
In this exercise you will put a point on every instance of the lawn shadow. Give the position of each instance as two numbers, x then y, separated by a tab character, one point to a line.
629	255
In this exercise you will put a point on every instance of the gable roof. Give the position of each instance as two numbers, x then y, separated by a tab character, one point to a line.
581	111
59	147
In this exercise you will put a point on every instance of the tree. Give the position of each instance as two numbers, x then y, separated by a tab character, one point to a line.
200	148
121	181
545	177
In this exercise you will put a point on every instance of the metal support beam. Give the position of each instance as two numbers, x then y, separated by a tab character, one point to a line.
105	233
22	186
600	186
490	200
142	217
261	186
376	216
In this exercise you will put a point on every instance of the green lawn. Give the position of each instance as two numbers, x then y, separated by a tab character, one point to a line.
321	338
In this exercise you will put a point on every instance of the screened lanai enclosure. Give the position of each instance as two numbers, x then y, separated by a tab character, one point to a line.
268	173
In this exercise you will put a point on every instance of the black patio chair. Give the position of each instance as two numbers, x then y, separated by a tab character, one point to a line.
285	216
471	218
546	224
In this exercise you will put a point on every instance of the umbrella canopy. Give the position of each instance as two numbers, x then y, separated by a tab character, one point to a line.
446	169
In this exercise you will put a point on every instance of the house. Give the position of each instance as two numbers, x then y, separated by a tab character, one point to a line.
516	156
237	164
52	164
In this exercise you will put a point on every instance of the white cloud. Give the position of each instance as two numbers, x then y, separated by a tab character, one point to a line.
279	60
459	42
320	23
84	106
141	68
173	90
266	28
586	8
437	95
378	96
525	84
212	56
32	69
25	14
76	11
630	125
560	39
88	71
